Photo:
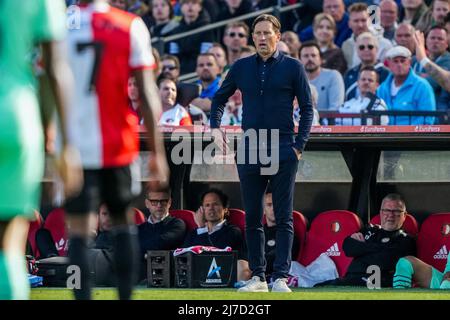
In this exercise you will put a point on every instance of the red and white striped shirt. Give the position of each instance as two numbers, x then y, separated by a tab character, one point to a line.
108	45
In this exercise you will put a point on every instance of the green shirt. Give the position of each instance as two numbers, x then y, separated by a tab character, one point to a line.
23	24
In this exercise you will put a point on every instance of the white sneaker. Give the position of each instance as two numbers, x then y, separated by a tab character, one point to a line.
254	285
280	285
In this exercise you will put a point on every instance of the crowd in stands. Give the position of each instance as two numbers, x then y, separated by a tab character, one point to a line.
341	40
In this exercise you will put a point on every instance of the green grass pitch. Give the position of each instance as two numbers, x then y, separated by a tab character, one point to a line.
330	293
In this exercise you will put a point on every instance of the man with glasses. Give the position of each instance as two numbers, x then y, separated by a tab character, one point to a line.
235	37
170	66
161	231
367	48
378	245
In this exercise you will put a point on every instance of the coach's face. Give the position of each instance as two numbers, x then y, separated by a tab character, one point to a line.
265	38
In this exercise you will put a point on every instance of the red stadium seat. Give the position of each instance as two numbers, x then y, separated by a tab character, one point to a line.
55	223
35	225
187	216
328	231
410	225
433	241
300	227
237	218
139	216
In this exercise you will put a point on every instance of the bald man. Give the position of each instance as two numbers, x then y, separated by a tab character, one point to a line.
389	18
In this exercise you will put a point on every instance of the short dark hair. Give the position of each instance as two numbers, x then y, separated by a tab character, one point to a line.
173	58
208	54
166	190
437	27
369	68
171	12
309	44
222	196
163	78
268	17
394	197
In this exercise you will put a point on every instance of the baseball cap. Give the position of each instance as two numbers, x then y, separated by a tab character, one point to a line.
398	51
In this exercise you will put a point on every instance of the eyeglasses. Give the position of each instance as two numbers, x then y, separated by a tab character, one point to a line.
169	68
370	47
395	212
155	202
234	34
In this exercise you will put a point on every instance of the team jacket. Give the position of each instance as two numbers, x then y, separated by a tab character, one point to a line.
382	248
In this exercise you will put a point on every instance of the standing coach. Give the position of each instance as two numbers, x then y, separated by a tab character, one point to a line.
269	82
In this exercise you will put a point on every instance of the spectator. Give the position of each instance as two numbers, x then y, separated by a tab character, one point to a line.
412	11
133	95
367	100
404	36
233	8
411	269
447	26
247	51
437	45
170	66
440	75
388	18
162	16
359	23
214	230
173	113
221	57
188	48
293	42
403	90
235	37
335	8
435	15
262	4
314	99
161	231
324	32
208	72
329	83
367	47
270	235
380	246
283	48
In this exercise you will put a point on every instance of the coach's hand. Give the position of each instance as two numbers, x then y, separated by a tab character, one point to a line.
220	139
298	153
70	170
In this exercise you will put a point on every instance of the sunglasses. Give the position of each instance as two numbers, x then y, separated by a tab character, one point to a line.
234	34
155	202
370	47
169	68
